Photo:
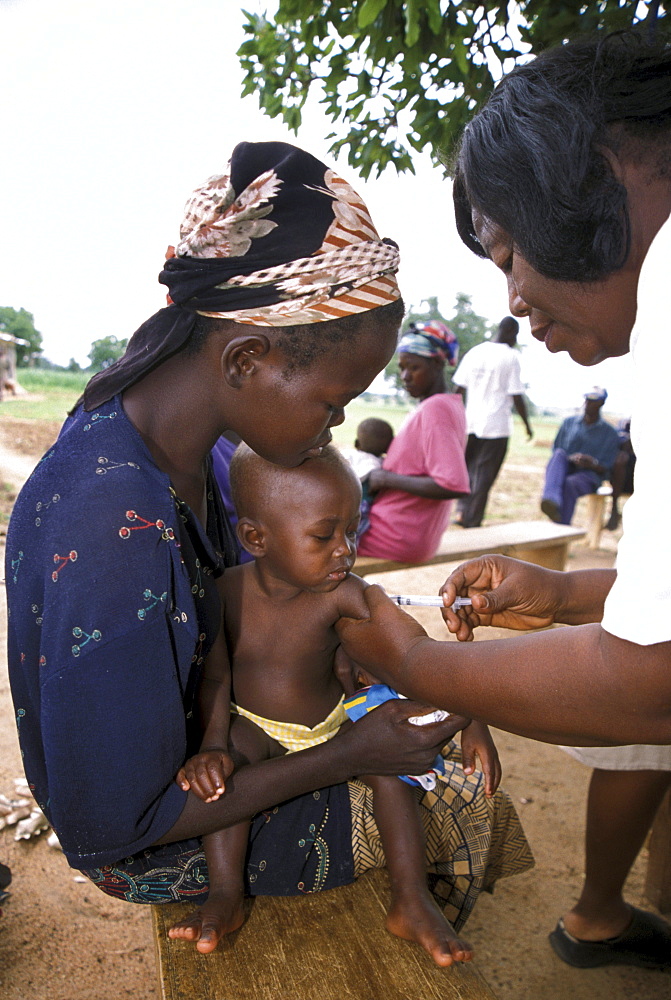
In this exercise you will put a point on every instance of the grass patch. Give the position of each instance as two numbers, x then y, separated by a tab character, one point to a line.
50	394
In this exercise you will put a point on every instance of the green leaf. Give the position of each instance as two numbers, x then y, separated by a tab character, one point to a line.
411	16
369	10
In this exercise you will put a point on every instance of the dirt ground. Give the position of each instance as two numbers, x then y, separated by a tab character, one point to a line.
63	940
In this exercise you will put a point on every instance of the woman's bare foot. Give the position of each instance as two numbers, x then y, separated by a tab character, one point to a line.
222	914
415	916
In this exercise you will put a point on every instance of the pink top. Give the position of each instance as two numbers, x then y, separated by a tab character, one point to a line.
431	443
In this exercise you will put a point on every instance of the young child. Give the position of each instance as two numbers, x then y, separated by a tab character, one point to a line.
373	437
300	526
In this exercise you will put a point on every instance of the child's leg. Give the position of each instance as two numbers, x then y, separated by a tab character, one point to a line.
225	850
413	914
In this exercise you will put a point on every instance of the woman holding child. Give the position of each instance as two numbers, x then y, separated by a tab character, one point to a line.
425	467
284	306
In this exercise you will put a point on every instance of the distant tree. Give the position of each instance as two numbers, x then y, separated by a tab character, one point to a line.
468	327
20	323
74	366
105	352
400	76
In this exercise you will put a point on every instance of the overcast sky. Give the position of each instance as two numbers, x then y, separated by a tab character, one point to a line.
113	112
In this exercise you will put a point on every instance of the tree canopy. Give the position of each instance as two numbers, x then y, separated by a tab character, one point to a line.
400	76
105	351
20	323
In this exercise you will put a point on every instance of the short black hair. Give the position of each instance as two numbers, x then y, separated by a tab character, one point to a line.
532	160
304	343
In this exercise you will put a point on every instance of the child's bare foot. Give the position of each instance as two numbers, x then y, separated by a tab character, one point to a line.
222	914
415	916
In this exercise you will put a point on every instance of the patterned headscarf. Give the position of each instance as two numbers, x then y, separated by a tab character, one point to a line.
430	340
277	240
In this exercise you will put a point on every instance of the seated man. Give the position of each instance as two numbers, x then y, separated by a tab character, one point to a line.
583	454
622	477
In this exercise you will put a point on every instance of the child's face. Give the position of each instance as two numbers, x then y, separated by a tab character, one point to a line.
311	537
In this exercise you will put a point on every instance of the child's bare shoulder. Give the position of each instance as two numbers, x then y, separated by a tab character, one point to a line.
351	602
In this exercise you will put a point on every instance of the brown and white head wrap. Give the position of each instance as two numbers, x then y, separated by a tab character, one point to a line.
279	239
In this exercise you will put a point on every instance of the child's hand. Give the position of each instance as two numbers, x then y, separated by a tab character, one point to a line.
205	774
477	742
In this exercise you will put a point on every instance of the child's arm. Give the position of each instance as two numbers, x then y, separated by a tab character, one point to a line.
476	741
206	773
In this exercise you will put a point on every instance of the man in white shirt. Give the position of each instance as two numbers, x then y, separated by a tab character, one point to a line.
488	377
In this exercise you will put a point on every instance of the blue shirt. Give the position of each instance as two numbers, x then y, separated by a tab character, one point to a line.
112	607
599	440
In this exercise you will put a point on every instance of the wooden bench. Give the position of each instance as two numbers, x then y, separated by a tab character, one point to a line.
541	542
322	946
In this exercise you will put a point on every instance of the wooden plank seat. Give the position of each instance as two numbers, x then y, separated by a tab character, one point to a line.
321	946
541	542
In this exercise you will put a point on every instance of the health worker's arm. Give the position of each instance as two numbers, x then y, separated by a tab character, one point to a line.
580	686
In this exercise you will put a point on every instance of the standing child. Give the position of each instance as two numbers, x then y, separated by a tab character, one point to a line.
373	437
300	525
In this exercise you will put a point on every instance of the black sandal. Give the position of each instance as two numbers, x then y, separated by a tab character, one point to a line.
646	943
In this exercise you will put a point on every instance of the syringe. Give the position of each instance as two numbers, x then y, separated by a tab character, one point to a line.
428	602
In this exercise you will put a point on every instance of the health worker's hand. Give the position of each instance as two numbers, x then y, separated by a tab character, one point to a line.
505	592
382	642
384	742
205	774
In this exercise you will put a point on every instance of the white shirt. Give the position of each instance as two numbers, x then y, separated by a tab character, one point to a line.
363	462
490	373
638	607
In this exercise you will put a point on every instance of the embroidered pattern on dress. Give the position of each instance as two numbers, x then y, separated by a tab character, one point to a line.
167	534
78	632
97	417
44	505
108	464
150	596
61	562
319	844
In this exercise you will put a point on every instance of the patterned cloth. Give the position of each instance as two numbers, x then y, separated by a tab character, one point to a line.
471	841
430	340
293	735
279	239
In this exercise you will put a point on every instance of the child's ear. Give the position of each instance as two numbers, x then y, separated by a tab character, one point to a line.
240	358
251	536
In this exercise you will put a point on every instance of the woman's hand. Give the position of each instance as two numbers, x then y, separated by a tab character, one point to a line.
506	593
384	742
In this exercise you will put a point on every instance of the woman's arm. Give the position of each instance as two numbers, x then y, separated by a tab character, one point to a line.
384	739
420	486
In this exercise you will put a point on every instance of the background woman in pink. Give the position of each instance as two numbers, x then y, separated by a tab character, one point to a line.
425	467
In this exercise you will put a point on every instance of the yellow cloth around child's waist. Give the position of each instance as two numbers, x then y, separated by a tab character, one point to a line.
294	736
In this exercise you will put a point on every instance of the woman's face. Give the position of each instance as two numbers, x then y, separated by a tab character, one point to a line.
420	376
287	417
590	321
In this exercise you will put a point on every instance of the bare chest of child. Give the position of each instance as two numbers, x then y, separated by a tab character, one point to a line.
282	647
